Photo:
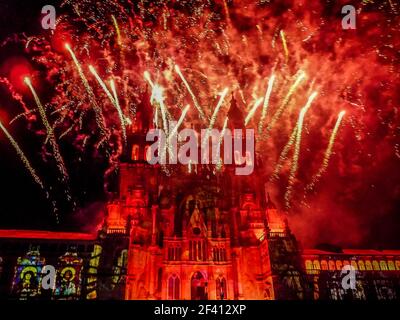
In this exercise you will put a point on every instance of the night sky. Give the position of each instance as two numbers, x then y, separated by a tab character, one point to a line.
359	198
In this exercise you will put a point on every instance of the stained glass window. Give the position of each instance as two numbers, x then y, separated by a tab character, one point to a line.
91	286
120	269
28	275
69	269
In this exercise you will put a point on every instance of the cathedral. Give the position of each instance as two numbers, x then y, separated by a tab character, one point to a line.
187	232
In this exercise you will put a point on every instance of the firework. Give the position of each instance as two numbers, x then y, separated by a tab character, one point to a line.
24	159
116	26
283	155
300	77
196	103
98	112
327	155
214	117
219	163
265	104
252	111
284	44
296	153
180	121
113	98
50	133
119	110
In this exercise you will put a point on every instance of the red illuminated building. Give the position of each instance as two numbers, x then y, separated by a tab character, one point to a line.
188	234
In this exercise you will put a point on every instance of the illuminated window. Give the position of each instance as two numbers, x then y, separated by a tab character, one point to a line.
27	275
135	152
316	265
331	265
391	265
309	265
397	264
354	265
361	265
339	265
174	287
346	263
368	265
68	286
383	265
324	265
375	265
91	291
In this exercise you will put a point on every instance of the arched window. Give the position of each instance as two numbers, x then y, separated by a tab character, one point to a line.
375	265
174	287
354	264
368	265
383	265
397	264
316	265
135	152
324	265
221	289
309	265
331	265
361	265
338	265
346	263
391	265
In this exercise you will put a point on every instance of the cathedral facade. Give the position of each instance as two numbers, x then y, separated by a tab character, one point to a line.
187	232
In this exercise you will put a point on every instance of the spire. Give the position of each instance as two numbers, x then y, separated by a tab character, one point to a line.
144	111
235	115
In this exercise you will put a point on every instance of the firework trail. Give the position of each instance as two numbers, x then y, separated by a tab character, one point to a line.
296	153
117	30
266	102
300	77
98	113
146	75
252	111
196	103
50	133
23	157
157	95
283	155
113	98
214	117
327	155
284	44
180	121
219	163
119	110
